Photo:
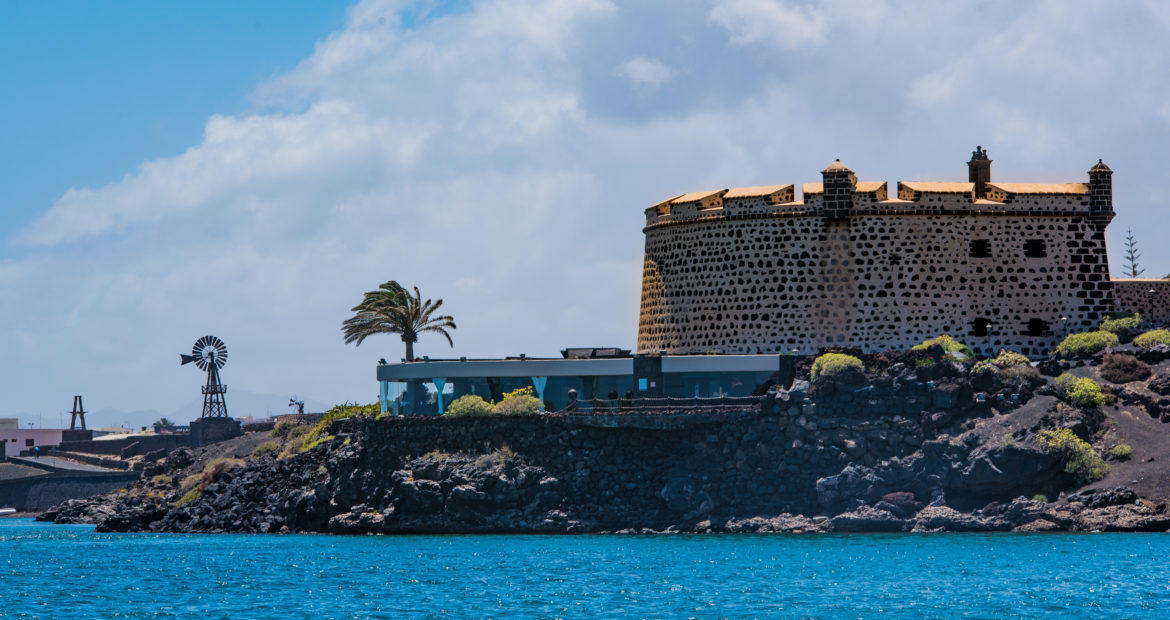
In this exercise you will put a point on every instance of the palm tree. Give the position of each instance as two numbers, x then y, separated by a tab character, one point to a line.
162	423
392	310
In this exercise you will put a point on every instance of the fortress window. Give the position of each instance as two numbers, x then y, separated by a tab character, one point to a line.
1037	327
982	327
1035	248
980	248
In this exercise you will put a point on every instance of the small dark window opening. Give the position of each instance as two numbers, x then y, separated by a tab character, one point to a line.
1035	248
28	443
895	258
980	248
1037	327
982	326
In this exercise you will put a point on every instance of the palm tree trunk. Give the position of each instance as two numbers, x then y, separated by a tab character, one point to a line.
409	351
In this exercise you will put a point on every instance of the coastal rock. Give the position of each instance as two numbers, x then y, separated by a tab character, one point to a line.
867	519
947	519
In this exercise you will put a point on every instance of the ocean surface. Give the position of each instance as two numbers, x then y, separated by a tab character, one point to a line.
69	571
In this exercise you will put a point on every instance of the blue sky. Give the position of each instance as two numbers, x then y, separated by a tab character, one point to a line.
248	169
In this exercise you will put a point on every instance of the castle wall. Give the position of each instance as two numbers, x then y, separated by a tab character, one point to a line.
892	274
1148	296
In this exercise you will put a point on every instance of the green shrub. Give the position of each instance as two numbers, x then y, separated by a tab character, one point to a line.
1121	452
924	362
214	469
282	429
1040	497
1021	374
1087	343
1152	338
1007	359
319	433
468	405
1065	383
1123	368
519	402
952	347
1080	459
983	368
162	479
190	482
190	496
834	366
1086	394
1123	324
268	448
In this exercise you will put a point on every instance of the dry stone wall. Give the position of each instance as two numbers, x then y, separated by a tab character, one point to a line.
1148	296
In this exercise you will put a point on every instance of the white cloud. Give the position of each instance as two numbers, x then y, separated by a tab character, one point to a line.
645	72
495	158
775	22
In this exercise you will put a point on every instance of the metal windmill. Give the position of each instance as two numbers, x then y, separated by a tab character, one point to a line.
210	354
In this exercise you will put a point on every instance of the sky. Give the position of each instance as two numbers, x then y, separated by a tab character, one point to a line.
248	170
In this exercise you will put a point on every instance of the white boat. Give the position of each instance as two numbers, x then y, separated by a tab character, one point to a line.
7	511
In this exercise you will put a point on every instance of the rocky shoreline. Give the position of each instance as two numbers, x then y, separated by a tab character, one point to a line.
903	451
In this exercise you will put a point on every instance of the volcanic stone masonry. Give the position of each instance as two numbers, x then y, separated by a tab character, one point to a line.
1013	265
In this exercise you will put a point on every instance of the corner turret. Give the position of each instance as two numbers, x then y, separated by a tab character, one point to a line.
979	171
839	185
1101	192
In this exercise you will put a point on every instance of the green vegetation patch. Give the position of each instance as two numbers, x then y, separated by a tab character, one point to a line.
519	402
1087	343
469	405
1021	374
267	448
1065	383
1121	452
950	346
834	366
1086	394
1152	338
190	496
983	368
1080	459
1007	359
162	479
1123	324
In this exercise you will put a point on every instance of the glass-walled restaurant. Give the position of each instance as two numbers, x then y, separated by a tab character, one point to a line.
427	387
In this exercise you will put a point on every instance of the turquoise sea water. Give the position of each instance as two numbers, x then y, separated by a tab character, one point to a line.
62	571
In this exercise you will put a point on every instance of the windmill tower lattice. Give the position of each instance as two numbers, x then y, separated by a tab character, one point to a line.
78	415
210	354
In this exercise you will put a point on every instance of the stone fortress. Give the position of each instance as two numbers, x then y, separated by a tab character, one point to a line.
996	265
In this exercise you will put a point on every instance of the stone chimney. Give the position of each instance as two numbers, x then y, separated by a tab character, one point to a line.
979	171
839	185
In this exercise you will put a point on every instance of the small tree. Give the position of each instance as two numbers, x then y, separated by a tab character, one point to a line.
1132	255
162	423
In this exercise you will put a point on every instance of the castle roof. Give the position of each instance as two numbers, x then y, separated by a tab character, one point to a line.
939	187
812	188
869	186
1100	167
697	196
758	190
1042	188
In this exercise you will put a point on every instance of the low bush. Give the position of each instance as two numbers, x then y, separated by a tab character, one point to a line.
1121	452
1152	338
1080	459
836	367
213	470
282	429
1021	374
1123	368
162	479
1007	359
519	402
267	448
1087	343
952	347
319	433
190	496
1124	325
191	482
1040	497
983	368
468	405
1086	394
1065	383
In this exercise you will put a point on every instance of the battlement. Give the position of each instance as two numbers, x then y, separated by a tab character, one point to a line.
853	197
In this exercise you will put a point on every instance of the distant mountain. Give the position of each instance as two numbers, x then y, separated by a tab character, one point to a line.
109	416
241	403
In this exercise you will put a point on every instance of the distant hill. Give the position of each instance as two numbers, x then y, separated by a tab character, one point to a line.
241	403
